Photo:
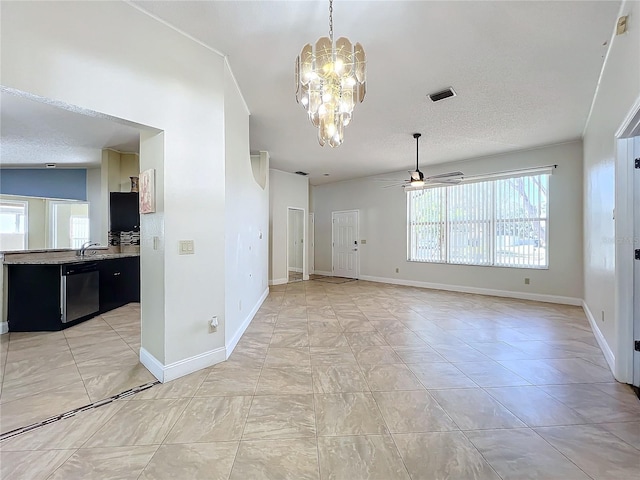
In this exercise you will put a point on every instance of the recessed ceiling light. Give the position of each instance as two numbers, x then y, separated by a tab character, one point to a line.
325	174
436	97
50	165
299	172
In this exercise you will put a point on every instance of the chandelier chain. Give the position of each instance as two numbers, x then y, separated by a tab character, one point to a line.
331	20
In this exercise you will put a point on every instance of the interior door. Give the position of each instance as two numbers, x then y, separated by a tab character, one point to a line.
636	268
345	244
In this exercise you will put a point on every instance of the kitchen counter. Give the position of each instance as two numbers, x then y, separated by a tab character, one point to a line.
67	259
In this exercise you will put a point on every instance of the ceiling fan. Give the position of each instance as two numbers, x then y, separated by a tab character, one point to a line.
419	180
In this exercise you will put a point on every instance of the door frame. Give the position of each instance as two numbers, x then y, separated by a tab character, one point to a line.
357	212
305	275
311	245
624	246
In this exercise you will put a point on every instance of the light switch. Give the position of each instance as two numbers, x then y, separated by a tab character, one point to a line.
185	247
363	242
156	242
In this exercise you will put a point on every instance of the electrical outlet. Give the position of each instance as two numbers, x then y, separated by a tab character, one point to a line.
213	324
527	281
397	270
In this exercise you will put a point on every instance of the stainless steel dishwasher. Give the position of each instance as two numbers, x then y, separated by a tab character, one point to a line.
79	291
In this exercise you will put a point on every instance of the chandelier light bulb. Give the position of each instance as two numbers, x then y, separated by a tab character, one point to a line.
330	80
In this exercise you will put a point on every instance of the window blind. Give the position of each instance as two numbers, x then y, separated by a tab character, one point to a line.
501	222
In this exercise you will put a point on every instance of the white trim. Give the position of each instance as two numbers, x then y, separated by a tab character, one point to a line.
623	281
238	335
235	82
629	126
278	281
166	373
602	342
323	273
4	328
538	297
294	269
612	37
152	364
194	39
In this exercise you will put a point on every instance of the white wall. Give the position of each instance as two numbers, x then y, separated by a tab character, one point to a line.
285	190
618	90
383	224
295	228
96	210
246	221
149	74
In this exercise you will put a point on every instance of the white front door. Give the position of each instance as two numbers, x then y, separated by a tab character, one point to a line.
636	268
345	244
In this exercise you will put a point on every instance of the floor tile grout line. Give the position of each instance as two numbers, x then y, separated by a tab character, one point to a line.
63	463
561	453
149	462
75	362
255	389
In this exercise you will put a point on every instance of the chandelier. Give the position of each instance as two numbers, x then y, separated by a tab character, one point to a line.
330	80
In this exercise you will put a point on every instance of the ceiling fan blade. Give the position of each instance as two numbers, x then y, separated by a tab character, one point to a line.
395	185
443	181
387	180
446	175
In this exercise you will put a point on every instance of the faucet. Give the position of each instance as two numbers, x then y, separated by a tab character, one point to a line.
85	246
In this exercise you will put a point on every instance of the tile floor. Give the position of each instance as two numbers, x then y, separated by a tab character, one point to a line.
366	381
48	373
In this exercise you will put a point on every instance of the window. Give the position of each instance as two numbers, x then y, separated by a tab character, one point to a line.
13	221
69	223
501	222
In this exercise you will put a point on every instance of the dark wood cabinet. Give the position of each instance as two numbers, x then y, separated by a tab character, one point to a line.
119	282
34	292
124	212
33	298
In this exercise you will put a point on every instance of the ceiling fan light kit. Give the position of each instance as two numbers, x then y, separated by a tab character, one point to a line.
330	80
418	180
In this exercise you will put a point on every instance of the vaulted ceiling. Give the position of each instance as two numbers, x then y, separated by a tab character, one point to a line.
525	74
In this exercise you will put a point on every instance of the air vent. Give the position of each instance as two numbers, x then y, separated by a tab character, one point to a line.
304	174
436	97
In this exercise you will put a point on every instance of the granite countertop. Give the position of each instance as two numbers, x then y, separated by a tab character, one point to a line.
69	259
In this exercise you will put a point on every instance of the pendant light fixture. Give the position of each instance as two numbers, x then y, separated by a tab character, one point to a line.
330	80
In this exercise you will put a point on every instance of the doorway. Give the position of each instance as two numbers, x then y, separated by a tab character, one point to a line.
295	244
627	225
344	234
636	268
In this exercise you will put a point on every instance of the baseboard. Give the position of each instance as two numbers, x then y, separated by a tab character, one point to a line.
295	269
152	364
325	274
602	342
238	335
4	328
538	297
279	281
166	373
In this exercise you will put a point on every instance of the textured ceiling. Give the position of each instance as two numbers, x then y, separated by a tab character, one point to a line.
33	133
525	74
